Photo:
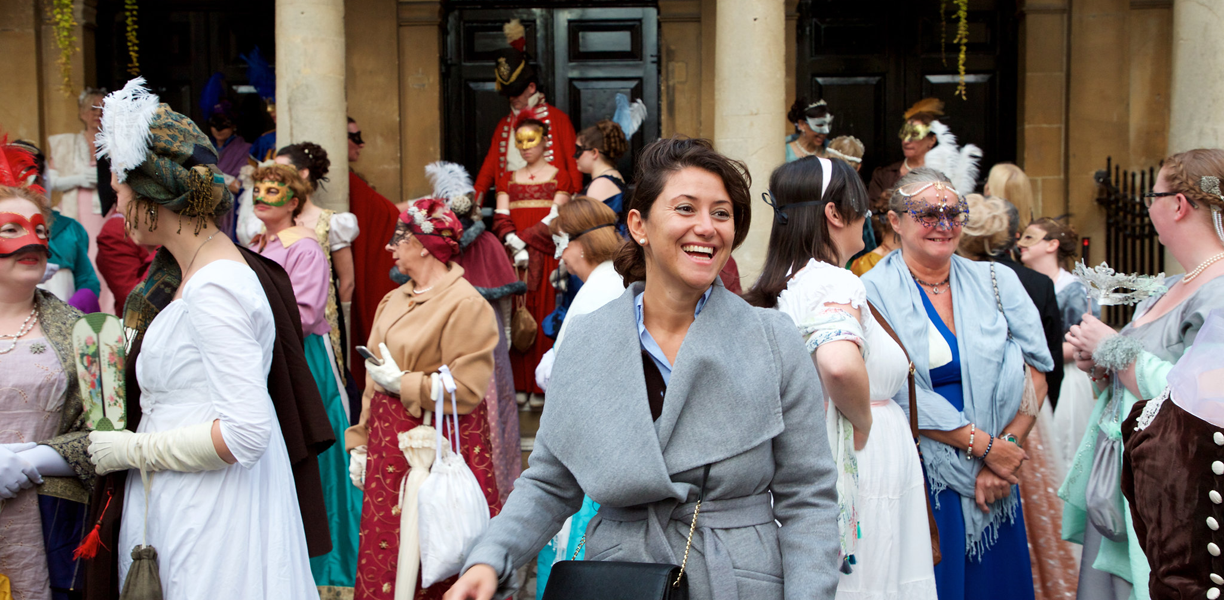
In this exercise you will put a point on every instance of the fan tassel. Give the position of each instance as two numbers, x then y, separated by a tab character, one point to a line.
89	546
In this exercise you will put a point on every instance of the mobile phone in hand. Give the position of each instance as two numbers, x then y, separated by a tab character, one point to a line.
365	353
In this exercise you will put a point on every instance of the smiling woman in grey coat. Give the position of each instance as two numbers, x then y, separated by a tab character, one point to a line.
676	374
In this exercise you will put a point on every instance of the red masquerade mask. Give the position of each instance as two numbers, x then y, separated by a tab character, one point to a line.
19	233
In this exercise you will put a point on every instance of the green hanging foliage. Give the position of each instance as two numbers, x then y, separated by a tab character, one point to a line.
962	38
64	26
133	42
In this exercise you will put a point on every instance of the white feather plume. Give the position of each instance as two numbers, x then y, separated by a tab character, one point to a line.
449	179
629	116
959	165
126	117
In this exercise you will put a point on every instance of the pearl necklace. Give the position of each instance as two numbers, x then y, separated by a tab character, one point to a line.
416	291
1202	266
906	163
26	327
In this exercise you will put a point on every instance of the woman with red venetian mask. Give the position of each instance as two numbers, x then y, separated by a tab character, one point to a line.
43	464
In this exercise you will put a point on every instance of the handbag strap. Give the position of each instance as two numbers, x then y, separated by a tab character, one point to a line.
994	280
913	392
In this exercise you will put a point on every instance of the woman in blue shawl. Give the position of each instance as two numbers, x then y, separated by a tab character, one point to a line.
970	330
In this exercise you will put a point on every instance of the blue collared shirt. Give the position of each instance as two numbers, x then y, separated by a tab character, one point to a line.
650	346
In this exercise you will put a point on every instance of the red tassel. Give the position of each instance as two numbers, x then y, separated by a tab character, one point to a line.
89	546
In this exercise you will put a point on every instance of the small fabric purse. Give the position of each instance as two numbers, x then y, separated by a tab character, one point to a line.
913	417
1103	494
619	580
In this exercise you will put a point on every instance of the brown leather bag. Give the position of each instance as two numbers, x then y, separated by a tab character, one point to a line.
522	326
913	416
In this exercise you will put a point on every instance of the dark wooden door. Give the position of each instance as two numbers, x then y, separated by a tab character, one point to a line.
871	60
584	57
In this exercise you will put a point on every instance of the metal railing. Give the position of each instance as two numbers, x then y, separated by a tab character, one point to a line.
1131	242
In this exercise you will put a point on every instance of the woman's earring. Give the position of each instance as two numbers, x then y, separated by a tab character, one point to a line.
642	241
424	253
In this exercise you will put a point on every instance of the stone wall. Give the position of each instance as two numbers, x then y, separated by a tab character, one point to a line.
372	80
1094	84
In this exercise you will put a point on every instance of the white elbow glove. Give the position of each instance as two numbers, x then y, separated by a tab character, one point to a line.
357	465
186	449
16	473
388	373
514	242
552	214
88	179
543	372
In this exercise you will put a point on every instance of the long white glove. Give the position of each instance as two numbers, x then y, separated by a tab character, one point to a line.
186	449
48	462
552	214
16	473
388	373
543	373
515	243
357	465
88	179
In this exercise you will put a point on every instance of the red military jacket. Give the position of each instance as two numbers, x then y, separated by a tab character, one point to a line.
559	153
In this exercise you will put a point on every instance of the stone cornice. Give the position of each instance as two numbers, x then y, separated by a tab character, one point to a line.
419	12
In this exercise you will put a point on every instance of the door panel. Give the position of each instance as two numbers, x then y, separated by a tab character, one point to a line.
872	59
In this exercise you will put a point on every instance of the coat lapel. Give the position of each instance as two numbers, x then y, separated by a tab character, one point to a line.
597	419
724	395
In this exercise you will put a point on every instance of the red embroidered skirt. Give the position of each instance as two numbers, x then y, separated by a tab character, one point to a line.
379	548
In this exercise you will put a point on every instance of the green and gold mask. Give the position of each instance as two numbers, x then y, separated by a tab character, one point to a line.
272	193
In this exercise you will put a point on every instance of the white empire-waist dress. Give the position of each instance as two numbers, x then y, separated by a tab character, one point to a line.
236	532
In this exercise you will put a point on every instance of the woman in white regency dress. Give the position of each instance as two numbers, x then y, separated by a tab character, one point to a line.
210	486
234	532
886	538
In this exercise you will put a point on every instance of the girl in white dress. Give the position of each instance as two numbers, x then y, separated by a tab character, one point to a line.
886	546
220	508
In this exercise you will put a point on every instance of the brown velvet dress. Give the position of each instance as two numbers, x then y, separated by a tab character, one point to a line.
1173	476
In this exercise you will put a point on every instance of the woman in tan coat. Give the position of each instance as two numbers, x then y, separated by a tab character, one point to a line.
435	319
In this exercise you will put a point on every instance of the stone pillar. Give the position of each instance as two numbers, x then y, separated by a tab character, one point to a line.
373	73
1197	113
1043	103
310	71
749	103
420	91
19	71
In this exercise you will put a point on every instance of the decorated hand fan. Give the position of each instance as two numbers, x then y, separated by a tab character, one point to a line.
100	351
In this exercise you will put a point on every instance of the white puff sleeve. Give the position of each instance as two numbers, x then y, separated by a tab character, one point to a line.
808	295
342	231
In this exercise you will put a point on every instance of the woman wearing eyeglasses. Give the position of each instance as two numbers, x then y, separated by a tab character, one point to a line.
1185	207
970	331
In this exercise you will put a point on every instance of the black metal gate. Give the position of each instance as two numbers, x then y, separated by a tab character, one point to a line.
1131	242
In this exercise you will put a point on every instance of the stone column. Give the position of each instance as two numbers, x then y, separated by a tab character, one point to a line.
420	92
1197	93
749	104
310	71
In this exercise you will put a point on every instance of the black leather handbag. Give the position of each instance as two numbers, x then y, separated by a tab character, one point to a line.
619	580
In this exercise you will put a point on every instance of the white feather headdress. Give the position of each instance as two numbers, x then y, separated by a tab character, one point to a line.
452	183
959	165
126	117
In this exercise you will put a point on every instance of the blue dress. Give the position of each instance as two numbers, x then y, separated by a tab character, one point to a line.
1005	571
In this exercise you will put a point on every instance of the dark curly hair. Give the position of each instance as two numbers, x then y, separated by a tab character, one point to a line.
309	156
607	137
656	165
799	111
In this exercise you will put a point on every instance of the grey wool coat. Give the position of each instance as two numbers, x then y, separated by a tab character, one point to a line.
744	397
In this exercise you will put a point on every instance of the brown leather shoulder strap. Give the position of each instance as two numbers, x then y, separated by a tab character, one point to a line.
913	392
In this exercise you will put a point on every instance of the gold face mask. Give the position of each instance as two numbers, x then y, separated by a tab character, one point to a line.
272	193
913	131
1032	236
527	138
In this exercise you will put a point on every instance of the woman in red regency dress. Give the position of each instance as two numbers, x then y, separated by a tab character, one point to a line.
525	198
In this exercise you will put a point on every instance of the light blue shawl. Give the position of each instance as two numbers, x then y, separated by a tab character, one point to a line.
992	371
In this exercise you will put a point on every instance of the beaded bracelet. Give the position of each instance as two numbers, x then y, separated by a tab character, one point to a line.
989	445
972	431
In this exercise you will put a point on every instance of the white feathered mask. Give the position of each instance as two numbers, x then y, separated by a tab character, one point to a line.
959	165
